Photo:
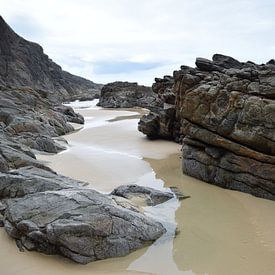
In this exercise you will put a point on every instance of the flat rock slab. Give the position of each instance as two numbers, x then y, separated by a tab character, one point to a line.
147	195
80	224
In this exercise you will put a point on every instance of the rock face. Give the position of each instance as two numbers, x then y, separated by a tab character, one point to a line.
226	115
127	95
80	224
23	64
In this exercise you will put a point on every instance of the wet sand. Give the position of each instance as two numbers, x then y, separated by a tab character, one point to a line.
221	231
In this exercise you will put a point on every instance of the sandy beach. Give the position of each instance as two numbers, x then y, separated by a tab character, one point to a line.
221	231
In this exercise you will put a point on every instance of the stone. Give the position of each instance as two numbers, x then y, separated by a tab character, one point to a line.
224	116
30	180
80	224
127	95
148	195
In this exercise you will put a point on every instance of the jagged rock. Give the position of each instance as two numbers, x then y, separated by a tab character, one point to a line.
148	195
24	64
127	95
80	224
225	110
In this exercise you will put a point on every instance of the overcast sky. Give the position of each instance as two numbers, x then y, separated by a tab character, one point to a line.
137	40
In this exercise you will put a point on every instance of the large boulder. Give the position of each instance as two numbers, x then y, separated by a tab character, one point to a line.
225	114
80	224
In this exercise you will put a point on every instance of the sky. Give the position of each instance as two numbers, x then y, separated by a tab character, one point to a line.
138	40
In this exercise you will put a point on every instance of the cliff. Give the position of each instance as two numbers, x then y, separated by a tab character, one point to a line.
23	64
224	113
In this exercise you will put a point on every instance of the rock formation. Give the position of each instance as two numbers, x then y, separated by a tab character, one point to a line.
23	64
127	95
224	113
78	223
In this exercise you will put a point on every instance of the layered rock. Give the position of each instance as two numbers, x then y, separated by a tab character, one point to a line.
23	64
226	111
127	95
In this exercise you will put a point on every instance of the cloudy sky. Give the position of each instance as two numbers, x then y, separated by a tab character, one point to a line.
137	40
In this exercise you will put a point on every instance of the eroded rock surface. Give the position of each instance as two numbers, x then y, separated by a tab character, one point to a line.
80	224
127	95
225	112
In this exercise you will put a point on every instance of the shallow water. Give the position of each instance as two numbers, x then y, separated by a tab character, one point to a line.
221	231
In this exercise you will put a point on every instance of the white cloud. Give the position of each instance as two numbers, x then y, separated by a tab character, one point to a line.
83	35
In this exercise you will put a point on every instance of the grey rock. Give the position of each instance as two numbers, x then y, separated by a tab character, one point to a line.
29	180
80	224
149	195
162	122
24	64
127	95
223	112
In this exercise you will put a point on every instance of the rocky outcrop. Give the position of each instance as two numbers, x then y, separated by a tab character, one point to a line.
226	114
127	95
23	64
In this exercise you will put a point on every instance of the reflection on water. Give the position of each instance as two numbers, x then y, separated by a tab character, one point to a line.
221	231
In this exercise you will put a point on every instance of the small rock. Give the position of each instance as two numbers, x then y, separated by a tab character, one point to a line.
149	195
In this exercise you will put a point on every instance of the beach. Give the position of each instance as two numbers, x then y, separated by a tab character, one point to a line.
220	231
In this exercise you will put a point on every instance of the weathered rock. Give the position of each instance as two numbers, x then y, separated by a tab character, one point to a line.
14	155
29	119
225	111
148	195
127	95
80	224
30	180
24	64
